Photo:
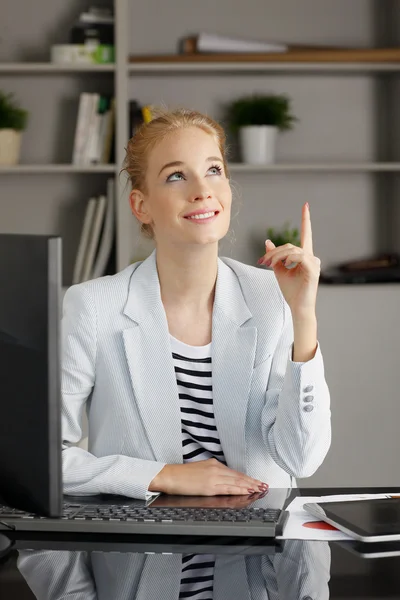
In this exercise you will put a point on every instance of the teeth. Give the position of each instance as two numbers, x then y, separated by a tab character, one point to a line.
203	216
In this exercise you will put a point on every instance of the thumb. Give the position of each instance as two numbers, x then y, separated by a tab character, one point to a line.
269	245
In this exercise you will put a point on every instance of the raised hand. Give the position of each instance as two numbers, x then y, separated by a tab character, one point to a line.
296	269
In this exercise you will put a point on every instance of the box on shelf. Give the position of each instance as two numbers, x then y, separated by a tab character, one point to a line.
89	53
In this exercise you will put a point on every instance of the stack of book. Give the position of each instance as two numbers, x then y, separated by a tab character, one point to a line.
97	237
94	130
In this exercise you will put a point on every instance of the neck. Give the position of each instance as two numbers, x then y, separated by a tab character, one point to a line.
188	277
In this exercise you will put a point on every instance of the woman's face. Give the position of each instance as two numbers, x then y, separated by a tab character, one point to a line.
188	199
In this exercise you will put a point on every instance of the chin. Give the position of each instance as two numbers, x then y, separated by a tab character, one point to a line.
211	238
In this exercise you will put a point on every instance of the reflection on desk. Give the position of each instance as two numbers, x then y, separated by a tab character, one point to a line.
300	571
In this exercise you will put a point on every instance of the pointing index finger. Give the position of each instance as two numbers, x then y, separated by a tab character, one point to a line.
306	232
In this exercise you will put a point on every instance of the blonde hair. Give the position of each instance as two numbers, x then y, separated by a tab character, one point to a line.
149	134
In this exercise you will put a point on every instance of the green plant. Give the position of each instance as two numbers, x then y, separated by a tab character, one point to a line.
283	236
259	109
11	115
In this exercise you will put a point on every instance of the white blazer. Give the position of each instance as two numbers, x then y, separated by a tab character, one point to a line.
272	414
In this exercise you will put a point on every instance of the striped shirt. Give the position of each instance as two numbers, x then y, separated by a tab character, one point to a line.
200	441
200	438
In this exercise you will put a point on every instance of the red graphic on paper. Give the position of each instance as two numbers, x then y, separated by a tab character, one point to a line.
319	525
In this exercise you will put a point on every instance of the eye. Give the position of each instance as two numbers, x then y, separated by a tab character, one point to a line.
172	175
217	168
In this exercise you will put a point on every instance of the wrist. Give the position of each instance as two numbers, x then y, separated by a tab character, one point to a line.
158	482
301	319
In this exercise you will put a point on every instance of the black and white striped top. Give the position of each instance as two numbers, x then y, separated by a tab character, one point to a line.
200	441
200	438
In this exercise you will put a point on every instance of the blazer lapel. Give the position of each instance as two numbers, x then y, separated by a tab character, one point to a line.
151	368
148	352
233	354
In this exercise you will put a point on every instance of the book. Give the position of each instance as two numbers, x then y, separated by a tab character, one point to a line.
91	129
135	117
209	42
107	132
96	14
147	114
84	108
94	237
107	234
83	241
93	148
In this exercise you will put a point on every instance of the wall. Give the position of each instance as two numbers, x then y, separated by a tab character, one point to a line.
337	122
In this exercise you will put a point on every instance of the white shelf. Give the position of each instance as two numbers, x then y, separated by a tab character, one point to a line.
317	167
50	169
48	67
266	67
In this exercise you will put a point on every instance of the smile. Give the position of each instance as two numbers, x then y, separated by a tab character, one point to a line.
203	217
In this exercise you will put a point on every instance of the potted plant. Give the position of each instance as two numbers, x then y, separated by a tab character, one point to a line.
286	235
13	120
257	119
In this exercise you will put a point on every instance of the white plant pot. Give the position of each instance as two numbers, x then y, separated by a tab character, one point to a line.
10	146
258	144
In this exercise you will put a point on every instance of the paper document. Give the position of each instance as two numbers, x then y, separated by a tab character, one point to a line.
301	525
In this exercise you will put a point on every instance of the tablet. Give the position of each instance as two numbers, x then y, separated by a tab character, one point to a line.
372	520
372	549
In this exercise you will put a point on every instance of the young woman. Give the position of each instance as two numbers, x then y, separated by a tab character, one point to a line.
200	375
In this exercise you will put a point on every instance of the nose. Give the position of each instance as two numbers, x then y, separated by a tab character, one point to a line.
201	194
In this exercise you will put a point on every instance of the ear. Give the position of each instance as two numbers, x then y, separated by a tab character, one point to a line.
138	206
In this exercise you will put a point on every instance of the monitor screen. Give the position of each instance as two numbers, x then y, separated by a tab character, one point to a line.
30	408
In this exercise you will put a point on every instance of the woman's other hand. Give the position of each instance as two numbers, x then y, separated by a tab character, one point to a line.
204	478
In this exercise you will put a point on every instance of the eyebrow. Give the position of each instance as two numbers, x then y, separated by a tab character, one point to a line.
179	163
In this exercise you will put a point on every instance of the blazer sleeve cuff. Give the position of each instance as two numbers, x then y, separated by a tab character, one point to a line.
306	380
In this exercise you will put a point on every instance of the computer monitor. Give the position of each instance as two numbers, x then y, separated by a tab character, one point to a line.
30	388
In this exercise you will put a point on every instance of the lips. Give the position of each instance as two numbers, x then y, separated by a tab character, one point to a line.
201	214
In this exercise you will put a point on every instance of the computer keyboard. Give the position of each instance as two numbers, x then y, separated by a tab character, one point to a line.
118	512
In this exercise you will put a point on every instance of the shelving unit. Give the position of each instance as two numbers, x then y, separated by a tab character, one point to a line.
351	319
124	72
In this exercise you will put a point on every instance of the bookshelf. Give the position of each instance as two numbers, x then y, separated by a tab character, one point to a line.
362	382
123	75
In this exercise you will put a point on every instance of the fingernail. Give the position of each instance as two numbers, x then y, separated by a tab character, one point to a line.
268	263
260	260
251	491
308	206
266	241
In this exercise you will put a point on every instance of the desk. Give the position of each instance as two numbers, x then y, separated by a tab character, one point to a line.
151	569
